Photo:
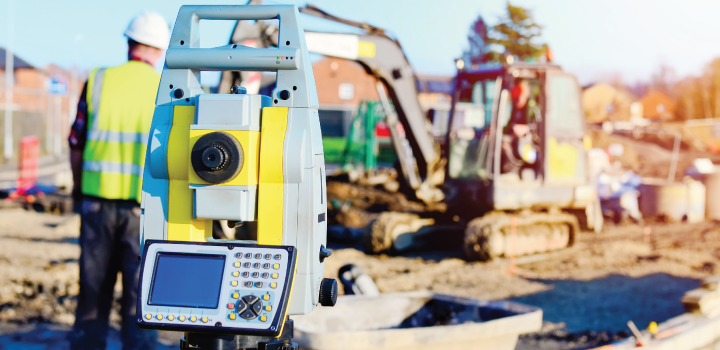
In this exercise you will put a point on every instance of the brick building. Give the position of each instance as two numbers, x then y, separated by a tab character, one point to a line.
658	106
42	103
604	102
342	84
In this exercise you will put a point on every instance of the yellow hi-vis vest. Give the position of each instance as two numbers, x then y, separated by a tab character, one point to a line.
121	101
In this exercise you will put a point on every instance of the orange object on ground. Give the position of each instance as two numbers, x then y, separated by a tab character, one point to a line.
27	170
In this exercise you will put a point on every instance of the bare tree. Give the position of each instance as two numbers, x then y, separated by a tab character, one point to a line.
663	80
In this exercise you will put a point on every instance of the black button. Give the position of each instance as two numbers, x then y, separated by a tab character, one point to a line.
241	306
248	284
258	256
250	299
239	255
284	95
256	274
258	284
257	308
266	266
265	275
256	265
248	255
268	256
179	93
246	265
246	274
278	256
248	315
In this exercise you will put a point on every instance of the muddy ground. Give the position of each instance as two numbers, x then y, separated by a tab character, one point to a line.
625	273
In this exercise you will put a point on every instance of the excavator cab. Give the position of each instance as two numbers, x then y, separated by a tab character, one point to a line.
516	146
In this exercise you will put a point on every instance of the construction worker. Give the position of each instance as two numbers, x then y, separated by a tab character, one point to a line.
516	134
108	142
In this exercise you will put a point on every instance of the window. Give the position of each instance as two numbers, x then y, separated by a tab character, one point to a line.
564	111
484	94
346	91
469	146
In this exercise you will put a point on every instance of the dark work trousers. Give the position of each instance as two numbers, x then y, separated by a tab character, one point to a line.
110	243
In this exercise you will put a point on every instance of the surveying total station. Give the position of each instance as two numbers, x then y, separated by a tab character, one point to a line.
235	157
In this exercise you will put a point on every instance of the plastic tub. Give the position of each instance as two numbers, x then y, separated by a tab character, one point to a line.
676	201
416	320
697	199
712	187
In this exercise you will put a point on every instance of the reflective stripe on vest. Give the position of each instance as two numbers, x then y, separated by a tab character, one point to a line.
96	92
111	167
121	104
117	136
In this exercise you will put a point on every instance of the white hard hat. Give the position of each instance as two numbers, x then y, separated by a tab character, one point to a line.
150	29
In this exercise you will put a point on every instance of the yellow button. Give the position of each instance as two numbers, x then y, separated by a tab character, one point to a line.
275	275
276	266
148	316
159	317
263	318
193	319
236	295
268	307
233	316
273	285
171	318
181	318
236	273
266	297
233	283
204	319
236	264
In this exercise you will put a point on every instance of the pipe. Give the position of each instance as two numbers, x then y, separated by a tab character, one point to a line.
9	75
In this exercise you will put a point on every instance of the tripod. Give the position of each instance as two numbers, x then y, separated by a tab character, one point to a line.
199	341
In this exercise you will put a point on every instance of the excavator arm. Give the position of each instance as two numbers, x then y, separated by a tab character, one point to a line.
383	58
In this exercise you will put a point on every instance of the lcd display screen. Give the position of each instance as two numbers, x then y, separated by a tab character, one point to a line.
187	280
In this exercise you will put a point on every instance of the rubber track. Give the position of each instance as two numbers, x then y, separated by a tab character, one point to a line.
480	229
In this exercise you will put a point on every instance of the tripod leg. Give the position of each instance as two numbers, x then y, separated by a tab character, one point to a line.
200	341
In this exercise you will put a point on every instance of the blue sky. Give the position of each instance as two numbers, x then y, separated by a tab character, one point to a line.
593	39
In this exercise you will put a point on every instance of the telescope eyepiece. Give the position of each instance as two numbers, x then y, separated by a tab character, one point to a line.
215	157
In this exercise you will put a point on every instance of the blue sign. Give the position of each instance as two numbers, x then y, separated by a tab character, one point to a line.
56	86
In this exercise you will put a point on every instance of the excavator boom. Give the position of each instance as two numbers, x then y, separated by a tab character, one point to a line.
383	58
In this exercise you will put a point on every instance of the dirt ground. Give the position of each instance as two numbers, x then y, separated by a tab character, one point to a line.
681	250
625	272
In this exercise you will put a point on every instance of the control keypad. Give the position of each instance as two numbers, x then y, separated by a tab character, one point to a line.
252	293
257	291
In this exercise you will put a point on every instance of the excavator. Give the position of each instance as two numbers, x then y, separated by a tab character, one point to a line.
511	170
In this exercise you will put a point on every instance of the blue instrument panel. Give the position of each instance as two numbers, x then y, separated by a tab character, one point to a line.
215	287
